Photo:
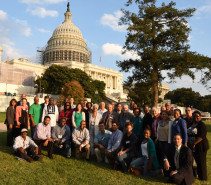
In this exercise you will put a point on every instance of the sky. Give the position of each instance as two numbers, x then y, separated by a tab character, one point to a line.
27	25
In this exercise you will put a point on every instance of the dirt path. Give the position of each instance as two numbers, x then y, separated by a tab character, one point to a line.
3	127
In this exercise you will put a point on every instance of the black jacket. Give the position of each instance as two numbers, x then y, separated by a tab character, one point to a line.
185	170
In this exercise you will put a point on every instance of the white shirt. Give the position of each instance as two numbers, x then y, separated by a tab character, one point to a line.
54	117
21	143
102	111
144	149
176	156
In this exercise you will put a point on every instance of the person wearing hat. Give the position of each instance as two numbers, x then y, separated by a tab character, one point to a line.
25	147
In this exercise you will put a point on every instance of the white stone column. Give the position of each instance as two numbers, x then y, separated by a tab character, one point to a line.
1	51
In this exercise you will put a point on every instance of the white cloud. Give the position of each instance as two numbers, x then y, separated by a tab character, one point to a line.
42	30
9	49
42	12
116	50
41	1
112	21
23	27
3	15
7	27
203	11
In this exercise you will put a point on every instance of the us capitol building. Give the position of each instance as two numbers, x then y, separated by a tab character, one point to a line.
66	47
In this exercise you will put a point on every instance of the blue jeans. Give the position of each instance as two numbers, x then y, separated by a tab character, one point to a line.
140	163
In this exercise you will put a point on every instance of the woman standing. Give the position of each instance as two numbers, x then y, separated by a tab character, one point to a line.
10	121
179	126
94	121
156	118
67	113
22	115
199	144
78	116
163	135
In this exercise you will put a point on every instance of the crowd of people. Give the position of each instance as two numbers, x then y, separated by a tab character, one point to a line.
151	142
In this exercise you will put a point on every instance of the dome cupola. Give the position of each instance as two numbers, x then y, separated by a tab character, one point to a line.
66	43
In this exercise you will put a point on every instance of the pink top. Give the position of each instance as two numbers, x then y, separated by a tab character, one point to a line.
19	110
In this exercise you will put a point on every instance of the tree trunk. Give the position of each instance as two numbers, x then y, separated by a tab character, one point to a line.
155	88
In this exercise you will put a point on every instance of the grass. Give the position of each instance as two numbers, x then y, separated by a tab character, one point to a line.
2	117
69	171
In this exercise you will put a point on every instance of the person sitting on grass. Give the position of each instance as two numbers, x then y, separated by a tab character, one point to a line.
114	144
42	136
128	147
178	162
101	142
147	162
80	137
61	137
25	147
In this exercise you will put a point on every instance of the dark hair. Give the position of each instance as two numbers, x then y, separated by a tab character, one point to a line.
178	110
128	124
23	99
12	101
60	120
196	112
137	108
165	111
76	109
117	123
46	97
178	134
65	104
46	117
147	129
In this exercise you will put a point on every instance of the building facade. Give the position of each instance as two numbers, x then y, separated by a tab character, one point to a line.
66	47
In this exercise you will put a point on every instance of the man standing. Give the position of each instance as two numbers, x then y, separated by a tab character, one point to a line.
114	143
178	163
52	111
61	137
35	114
109	117
81	139
25	147
147	119
42	136
125	117
44	105
101	142
102	108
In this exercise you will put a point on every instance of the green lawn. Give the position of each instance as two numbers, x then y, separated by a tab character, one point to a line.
2	117
67	171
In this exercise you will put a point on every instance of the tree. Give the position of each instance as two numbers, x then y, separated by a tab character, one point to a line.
159	36
72	89
56	76
184	97
188	97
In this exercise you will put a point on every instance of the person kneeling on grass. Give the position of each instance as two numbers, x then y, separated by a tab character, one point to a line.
25	147
128	148
42	136
114	144
81	139
101	142
178	162
147	163
61	137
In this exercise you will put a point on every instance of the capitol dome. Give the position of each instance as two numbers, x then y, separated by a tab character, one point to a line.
66	44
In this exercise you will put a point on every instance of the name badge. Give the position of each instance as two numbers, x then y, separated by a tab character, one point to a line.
127	142
60	136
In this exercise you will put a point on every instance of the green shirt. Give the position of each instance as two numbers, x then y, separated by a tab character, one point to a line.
78	118
35	111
